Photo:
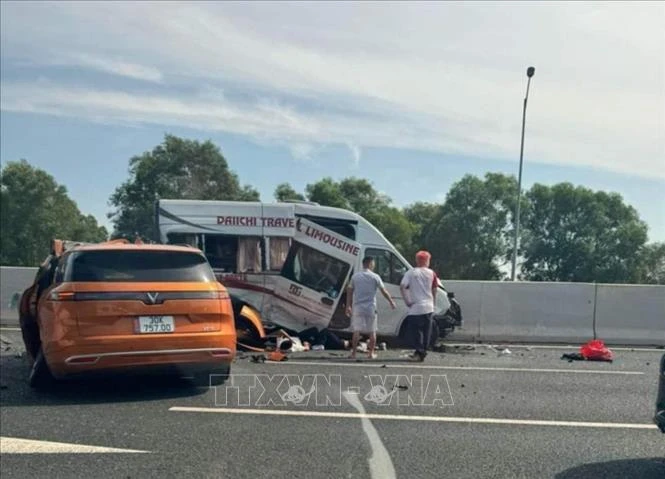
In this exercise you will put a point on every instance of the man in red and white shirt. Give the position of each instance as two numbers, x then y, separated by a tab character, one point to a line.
419	287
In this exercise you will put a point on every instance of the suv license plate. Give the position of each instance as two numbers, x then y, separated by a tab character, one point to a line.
156	324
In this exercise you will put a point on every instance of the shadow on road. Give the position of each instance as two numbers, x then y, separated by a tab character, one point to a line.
648	468
112	389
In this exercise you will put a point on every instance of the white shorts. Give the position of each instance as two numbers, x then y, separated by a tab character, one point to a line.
363	322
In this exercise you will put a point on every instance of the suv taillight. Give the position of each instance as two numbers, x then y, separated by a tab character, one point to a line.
62	296
222	295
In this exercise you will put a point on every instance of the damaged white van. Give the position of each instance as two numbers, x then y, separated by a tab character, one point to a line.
288	264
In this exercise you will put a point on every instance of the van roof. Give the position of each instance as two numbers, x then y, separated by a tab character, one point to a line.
299	206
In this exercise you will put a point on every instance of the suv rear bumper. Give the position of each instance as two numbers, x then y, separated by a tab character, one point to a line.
203	352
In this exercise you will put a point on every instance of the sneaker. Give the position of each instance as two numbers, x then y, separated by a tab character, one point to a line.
373	356
418	357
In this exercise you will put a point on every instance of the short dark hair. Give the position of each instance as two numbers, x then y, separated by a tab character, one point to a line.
367	260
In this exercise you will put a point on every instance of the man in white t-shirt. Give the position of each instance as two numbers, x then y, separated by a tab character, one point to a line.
361	304
419	287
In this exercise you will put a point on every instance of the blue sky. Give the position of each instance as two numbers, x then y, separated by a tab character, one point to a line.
411	96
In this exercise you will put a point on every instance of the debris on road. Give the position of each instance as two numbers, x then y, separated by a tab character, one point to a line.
505	352
362	347
594	350
277	356
573	357
401	388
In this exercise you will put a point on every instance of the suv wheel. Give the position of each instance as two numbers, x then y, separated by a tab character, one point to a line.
214	377
40	375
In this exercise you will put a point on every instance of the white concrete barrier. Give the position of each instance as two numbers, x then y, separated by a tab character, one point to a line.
634	314
560	312
506	311
469	295
536	312
13	280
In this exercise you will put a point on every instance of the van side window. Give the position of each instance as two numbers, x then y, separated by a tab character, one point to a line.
279	249
343	227
184	238
235	254
249	255
387	265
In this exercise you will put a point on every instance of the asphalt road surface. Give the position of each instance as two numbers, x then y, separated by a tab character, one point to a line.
465	413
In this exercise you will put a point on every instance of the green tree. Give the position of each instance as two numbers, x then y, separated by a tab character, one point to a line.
176	169
469	236
652	264
284	192
327	192
421	216
575	234
35	210
360	196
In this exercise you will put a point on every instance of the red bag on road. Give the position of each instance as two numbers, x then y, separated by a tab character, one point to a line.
595	350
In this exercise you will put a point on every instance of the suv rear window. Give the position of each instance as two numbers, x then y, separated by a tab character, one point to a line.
138	266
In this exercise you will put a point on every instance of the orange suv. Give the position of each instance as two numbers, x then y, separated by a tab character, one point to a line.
122	307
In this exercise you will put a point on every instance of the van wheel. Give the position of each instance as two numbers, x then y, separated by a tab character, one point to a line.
40	374
247	334
214	377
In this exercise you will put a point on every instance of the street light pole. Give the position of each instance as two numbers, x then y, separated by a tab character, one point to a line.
529	73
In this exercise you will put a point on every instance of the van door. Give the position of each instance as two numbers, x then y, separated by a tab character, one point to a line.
313	277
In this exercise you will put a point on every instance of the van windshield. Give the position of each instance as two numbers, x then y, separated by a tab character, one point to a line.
138	266
315	270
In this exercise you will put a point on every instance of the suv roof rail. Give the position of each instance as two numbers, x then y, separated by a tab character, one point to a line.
301	202
185	244
58	246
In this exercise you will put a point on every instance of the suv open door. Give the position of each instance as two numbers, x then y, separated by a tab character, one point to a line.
313	277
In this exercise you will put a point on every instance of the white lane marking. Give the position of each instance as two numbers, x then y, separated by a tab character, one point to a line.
406	417
378	364
9	329
380	464
636	349
13	445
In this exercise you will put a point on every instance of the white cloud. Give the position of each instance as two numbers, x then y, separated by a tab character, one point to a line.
302	151
355	154
116	67
435	76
